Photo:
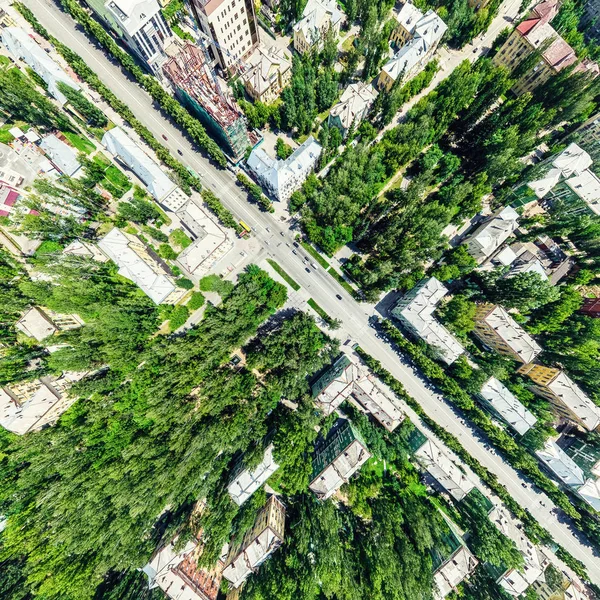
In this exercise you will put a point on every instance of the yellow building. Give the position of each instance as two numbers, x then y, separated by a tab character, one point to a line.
499	331
533	33
568	400
269	73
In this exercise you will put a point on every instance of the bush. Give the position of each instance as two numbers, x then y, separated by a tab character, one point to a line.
184	283
179	316
139	210
196	301
165	251
213	283
155	233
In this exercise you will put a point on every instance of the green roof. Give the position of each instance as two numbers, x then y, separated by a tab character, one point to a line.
340	436
584	455
336	369
415	439
478	498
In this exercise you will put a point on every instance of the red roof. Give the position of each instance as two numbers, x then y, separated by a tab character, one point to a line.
526	26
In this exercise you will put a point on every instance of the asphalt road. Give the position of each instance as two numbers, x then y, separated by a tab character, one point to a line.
322	287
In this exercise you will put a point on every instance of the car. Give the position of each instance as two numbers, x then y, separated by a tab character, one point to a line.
307	269
164	137
268	229
314	266
295	252
338	297
282	233
179	152
296	245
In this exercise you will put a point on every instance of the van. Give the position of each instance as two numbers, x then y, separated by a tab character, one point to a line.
313	266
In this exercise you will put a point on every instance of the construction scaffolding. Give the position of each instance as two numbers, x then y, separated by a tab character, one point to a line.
197	87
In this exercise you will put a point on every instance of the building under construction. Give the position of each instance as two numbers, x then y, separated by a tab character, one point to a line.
198	89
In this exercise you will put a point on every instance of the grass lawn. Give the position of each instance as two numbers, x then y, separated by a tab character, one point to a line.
340	279
82	144
315	254
348	43
321	312
5	137
284	275
180	239
115	181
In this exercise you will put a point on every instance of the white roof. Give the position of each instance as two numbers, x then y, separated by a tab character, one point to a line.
81	248
165	559
447	473
573	160
246	482
587	186
561	464
513	334
251	557
506	256
22	46
132	15
453	571
487	238
36	324
513	581
408	16
416	309
315	14
211	241
61	154
32	136
153	281
507	406
283	177
266	67
16	131
354	103
590	492
427	32
542	186
532	266
119	144
575	399
368	392
339	471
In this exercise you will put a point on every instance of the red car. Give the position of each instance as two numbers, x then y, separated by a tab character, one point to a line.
164	137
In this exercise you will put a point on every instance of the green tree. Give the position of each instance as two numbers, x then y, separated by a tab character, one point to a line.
94	116
139	210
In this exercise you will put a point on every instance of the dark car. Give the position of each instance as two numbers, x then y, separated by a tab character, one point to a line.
338	297
179	152
296	245
307	269
164	137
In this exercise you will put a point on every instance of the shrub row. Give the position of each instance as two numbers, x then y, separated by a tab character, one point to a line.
283	274
255	193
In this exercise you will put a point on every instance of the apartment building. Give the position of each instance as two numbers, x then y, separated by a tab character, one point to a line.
415	311
139	24
281	178
319	17
244	482
265	536
178	575
195	87
139	265
591	19
346	380
232	27
534	33
269	72
504	404
40	323
32	405
567	398
500	332
591	307
336	458
418	36
488	238
353	107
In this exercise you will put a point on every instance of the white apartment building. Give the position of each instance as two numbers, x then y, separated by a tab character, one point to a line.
319	17
492	233
141	26
245	482
232	27
281	178
415	310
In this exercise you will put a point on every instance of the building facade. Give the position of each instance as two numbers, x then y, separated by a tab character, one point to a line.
567	398
418	36
336	458
319	17
139	24
259	543
532	34
196	89
270	71
281	178
232	28
499	331
415	310
353	107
